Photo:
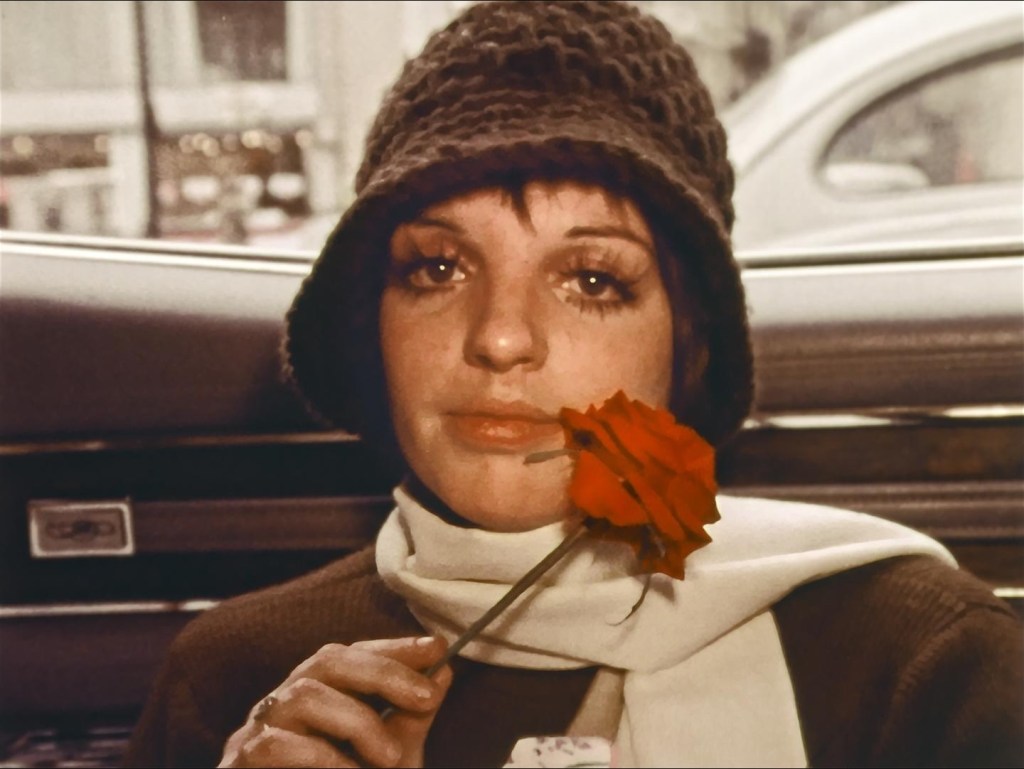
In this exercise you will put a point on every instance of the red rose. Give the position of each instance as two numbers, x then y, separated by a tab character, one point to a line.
639	478
651	479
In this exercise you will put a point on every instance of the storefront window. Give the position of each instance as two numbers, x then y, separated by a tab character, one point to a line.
242	40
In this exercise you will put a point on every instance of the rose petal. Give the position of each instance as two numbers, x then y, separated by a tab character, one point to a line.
701	468
673	562
669	476
658	511
645	433
598	440
599	493
618	405
692	504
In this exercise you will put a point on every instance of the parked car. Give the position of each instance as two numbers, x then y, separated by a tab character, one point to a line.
903	126
153	462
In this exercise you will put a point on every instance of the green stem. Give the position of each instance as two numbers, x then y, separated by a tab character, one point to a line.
513	593
524	583
544	456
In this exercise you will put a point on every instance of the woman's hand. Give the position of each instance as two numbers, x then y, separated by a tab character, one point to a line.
319	715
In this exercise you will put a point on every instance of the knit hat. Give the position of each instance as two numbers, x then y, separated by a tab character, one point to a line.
509	92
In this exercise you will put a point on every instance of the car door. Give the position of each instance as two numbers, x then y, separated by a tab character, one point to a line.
153	462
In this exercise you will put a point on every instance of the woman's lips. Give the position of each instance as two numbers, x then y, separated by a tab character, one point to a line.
502	432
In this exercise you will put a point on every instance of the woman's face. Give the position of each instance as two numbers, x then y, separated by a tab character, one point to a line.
495	317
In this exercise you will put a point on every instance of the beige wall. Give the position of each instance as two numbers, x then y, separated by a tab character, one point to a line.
51	45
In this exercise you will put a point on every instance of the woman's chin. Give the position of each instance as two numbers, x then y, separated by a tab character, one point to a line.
512	501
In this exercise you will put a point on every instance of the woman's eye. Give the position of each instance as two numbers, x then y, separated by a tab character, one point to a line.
431	272
596	285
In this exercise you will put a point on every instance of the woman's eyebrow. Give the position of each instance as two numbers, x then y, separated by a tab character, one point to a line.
431	221
609	232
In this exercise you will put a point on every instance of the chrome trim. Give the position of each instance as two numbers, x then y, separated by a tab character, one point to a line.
36	611
784	270
1016	593
1000	411
171	247
816	421
885	417
287	266
898	251
870	255
146	442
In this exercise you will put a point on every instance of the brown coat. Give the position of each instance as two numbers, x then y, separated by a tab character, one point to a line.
904	662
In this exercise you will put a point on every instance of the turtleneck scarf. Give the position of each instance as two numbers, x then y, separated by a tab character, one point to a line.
705	677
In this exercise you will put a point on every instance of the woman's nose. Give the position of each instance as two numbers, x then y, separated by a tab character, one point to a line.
505	329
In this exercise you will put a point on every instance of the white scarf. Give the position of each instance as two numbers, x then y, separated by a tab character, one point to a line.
706	680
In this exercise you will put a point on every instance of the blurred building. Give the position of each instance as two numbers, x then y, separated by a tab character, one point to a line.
260	107
232	93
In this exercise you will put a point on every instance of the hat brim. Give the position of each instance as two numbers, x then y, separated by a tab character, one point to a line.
577	143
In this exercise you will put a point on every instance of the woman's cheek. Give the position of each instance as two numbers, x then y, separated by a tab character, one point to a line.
634	354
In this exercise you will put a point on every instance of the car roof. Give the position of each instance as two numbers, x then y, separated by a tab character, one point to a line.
876	43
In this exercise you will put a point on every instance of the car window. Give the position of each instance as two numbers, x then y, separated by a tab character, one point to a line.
221	121
961	126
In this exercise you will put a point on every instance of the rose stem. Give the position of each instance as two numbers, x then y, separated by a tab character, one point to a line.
503	603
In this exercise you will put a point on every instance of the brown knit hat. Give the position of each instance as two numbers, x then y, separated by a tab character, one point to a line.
513	91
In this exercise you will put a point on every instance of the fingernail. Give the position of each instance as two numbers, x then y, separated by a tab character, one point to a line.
422	692
393	753
425	641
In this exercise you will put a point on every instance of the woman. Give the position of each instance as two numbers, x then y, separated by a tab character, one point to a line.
542	220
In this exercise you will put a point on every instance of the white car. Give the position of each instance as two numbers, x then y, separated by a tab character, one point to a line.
903	126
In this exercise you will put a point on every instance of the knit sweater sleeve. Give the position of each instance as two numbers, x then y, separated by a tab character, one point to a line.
960	700
906	662
171	730
227	659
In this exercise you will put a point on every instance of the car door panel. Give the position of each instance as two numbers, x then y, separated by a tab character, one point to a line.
163	399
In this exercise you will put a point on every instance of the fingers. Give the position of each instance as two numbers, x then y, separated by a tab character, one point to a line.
272	746
388	668
311	707
413	727
442	680
416	652
328	709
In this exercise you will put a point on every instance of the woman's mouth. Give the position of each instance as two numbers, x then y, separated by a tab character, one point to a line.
506	429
